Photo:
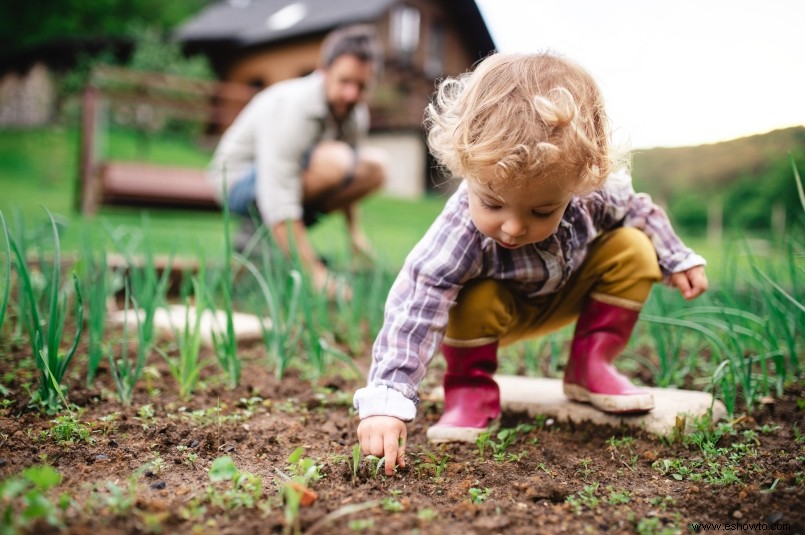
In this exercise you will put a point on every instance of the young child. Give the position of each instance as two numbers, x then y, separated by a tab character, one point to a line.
544	229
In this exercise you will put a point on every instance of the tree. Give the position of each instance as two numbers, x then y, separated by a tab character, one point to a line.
38	22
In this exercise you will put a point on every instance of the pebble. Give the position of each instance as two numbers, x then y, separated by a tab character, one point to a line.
158	485
737	514
101	457
192	444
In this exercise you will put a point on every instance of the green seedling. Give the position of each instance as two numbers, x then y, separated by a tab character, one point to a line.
246	489
618	497
377	463
148	287
24	501
392	505
5	287
478	496
436	465
186	368
303	469
117	500
45	334
124	373
585	498
67	430
356	461
95	286
225	343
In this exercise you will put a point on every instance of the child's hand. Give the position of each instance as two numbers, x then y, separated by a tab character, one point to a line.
691	283
383	436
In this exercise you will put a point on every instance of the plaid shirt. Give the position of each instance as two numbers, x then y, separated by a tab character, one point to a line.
454	252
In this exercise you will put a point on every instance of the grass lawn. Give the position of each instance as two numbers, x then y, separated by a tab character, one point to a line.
39	168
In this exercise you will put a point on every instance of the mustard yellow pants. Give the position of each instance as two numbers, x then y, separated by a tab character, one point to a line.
620	269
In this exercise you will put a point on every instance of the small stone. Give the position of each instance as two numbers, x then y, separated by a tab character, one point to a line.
101	457
112	443
775	517
158	485
192	444
737	514
149	473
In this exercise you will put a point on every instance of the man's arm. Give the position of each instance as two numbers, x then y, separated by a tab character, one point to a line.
294	231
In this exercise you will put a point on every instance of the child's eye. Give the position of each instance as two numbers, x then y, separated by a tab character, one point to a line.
541	215
488	206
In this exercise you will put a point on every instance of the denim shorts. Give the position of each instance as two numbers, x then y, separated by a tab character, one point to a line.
242	198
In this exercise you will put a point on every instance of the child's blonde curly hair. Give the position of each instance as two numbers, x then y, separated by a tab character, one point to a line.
523	117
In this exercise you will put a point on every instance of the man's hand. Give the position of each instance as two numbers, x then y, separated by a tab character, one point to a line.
362	249
332	286
384	436
691	283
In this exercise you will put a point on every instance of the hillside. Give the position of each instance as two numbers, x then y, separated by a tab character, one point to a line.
664	172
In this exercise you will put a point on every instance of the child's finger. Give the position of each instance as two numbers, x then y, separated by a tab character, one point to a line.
681	282
391	450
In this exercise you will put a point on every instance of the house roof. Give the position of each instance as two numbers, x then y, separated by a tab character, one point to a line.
251	22
245	23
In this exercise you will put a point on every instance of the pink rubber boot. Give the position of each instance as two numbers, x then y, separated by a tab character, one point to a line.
471	395
602	332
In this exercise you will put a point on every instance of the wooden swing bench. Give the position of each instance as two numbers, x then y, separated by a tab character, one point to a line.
147	96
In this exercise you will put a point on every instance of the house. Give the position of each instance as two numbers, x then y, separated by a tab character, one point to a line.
261	42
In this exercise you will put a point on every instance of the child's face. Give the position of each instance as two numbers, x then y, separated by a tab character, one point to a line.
517	216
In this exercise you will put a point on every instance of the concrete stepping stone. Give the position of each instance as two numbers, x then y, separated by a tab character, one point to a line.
535	396
173	318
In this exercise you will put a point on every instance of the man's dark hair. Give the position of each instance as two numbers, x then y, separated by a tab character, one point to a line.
358	40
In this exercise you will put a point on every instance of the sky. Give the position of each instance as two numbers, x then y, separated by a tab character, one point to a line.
673	72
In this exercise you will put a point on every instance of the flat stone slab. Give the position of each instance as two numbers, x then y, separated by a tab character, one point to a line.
173	318
535	396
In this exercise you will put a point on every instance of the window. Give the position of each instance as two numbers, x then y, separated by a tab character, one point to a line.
433	61
405	30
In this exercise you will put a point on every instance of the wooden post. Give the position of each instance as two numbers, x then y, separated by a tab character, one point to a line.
87	201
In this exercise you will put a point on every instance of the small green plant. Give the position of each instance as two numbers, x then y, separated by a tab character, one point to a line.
186	368
391	505
225	343
246	489
478	495
585	498
124	374
5	287
427	514
117	500
68	430
618	497
585	467
356	462
505	439
24	501
303	469
376	464
45	334
435	465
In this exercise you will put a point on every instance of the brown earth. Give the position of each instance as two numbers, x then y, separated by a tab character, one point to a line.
553	479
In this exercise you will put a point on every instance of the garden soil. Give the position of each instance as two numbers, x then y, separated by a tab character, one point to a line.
554	478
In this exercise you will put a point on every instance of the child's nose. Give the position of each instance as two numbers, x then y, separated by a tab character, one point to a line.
514	227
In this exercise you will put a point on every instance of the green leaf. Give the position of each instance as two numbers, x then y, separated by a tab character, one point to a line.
43	477
223	469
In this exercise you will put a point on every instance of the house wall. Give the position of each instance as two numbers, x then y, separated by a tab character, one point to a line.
407	158
269	65
400	97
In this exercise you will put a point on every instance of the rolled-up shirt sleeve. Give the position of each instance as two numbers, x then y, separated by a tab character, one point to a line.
416	313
